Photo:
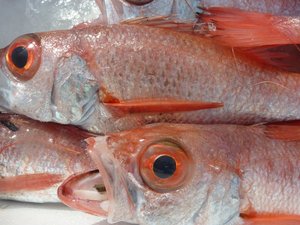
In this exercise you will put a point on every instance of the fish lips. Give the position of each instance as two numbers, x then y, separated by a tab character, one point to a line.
80	192
85	192
103	192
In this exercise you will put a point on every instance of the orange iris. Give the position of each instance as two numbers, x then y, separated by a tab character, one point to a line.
165	166
23	56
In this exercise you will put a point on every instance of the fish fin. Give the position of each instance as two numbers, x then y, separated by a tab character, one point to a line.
165	22
29	182
161	106
287	131
272	220
285	57
236	28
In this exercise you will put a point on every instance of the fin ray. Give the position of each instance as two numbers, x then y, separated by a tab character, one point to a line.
28	182
161	106
287	131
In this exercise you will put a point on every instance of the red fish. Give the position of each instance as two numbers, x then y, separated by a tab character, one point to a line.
193	174
110	78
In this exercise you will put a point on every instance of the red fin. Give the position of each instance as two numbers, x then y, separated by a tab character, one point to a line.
166	22
29	182
237	28
273	220
161	106
287	131
285	57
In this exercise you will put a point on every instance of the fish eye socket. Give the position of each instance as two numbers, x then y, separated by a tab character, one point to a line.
139	2
23	56
164	166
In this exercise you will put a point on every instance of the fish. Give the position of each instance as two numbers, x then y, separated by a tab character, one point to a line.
36	157
193	174
117	77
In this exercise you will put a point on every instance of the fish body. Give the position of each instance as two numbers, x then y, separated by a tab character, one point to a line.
36	157
197	174
74	74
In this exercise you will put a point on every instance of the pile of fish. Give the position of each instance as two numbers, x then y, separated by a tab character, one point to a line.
158	112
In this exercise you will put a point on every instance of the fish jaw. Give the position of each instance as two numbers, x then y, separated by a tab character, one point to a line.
120	199
79	192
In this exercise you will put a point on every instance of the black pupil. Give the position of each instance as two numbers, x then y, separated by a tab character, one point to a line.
19	57
164	166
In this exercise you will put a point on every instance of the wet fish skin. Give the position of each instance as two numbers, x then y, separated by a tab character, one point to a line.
237	170
36	157
83	68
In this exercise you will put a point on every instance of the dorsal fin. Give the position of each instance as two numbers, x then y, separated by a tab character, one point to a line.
271	40
236	28
287	131
285	57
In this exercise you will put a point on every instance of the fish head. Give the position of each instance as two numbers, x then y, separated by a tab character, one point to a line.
164	174
41	76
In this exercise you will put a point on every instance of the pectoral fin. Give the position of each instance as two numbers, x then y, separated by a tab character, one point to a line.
161	106
287	131
29	182
273	220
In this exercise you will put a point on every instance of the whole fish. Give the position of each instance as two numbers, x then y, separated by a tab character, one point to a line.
108	78
36	157
193	174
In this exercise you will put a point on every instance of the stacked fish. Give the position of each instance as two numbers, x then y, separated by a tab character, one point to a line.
218	87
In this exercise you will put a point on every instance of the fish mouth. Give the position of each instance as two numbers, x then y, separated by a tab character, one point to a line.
92	191
85	192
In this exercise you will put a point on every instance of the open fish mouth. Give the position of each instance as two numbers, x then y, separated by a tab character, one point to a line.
85	192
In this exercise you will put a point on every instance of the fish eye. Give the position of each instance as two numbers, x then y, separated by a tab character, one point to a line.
139	2
165	166
23	56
